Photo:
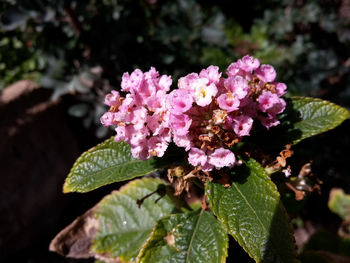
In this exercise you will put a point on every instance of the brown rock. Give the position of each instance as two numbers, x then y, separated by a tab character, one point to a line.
37	149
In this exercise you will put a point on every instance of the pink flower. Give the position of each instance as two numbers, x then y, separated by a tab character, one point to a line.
112	99
179	101
147	89
197	157
123	113
165	82
125	85
165	134
140	151
121	133
207	167
152	74
222	157
204	92
206	115
180	124
248	63
211	73
107	119
269	121
142	116
157	146
137	136
186	82
266	73
280	88
233	69
154	123
242	125
238	86
139	116
228	102
271	103
156	103
132	82
183	141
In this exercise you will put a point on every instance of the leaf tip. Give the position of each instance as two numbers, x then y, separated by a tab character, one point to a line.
66	188
347	114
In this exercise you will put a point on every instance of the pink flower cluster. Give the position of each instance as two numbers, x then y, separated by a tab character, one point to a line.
206	114
141	117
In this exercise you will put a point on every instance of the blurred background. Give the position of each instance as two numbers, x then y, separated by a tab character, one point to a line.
59	58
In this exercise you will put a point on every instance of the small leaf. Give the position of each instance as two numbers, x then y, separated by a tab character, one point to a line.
303	118
116	227
317	116
189	237
123	226
314	116
252	213
339	203
107	163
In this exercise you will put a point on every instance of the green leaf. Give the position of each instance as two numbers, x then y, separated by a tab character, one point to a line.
107	163
339	203
303	117
311	116
123	226
251	211
189	237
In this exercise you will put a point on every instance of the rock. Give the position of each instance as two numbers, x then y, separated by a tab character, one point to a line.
37	149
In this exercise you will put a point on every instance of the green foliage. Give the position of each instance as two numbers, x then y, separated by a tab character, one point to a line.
314	116
339	203
107	163
124	226
60	44
304	117
188	237
251	211
18	61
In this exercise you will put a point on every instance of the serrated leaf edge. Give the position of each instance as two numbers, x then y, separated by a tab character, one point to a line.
68	189
122	190
290	229
224	248
344	113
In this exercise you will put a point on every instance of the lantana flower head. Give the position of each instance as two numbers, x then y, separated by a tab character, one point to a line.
206	115
224	110
141	116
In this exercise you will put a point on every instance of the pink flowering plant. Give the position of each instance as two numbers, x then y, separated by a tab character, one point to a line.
208	148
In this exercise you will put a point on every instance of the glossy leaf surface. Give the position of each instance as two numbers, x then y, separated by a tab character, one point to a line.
251	211
316	116
107	163
124	226
189	237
